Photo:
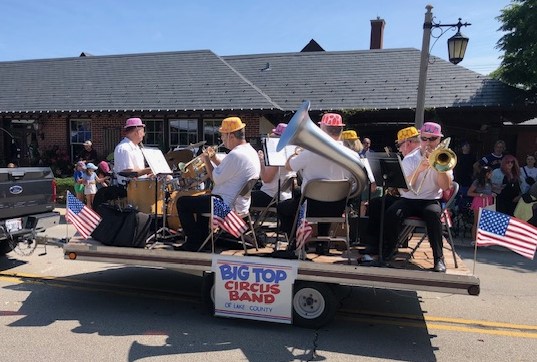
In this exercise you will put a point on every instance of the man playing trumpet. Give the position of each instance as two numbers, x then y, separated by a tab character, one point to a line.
228	175
422	199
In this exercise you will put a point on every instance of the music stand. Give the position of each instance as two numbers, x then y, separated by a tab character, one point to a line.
161	169
386	168
274	158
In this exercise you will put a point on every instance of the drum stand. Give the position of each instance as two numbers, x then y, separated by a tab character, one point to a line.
164	234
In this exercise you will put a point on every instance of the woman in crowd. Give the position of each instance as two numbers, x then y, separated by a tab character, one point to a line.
528	173
481	193
506	183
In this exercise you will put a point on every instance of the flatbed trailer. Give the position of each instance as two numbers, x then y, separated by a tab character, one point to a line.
315	278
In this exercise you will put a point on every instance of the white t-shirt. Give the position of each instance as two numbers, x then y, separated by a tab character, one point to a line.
127	155
271	188
430	190
239	165
313	166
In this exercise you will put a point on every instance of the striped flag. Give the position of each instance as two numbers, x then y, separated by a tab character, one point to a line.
495	228
227	219
303	230
84	219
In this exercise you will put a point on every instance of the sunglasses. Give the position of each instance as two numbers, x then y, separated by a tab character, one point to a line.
432	139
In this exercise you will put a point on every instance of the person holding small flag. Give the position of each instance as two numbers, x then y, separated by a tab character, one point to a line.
229	175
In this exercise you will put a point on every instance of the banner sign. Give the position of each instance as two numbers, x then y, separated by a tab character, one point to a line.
254	288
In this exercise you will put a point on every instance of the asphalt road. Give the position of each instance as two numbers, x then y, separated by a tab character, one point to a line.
61	310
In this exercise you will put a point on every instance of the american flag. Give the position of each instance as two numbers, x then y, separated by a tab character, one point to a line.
227	219
82	217
303	230
495	228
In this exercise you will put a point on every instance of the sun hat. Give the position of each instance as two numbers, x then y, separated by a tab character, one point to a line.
406	133
88	143
231	124
432	129
279	129
103	165
349	135
91	166
134	122
332	119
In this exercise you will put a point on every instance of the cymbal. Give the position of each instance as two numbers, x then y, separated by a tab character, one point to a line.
174	157
195	145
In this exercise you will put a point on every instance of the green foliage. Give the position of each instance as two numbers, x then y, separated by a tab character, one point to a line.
62	186
519	43
58	160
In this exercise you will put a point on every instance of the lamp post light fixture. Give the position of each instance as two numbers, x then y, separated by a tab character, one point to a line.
456	49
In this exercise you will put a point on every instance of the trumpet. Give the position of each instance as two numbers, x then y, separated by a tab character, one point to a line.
195	168
441	159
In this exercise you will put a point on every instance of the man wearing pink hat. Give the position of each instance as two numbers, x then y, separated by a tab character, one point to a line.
314	166
423	196
128	156
272	177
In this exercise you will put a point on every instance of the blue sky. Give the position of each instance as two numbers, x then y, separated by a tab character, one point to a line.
38	29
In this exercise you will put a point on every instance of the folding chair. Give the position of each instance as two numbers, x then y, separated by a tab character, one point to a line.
264	211
244	192
326	191
411	223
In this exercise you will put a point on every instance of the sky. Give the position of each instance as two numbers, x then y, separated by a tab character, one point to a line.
42	29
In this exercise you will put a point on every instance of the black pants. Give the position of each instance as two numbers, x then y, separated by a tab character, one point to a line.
287	211
429	210
260	199
195	227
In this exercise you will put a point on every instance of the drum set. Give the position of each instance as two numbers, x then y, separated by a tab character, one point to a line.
159	196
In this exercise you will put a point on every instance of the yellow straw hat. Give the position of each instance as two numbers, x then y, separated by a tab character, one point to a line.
231	124
349	135
406	133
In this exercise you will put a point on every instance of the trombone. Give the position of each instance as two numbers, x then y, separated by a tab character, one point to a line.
441	159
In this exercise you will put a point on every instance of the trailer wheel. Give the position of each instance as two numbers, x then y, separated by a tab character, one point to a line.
314	305
207	292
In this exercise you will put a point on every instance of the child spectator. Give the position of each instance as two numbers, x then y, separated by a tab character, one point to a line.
103	172
79	187
90	181
481	191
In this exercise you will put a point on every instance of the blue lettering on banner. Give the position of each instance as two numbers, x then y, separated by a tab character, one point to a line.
234	272
269	275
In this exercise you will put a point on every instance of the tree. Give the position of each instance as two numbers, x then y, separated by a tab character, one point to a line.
519	43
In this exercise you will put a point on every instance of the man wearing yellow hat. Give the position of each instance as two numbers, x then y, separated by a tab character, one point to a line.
407	141
228	175
350	140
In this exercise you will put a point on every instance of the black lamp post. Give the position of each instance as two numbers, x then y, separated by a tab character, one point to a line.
456	49
457	44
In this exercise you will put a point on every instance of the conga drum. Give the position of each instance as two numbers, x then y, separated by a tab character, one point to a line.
141	194
172	217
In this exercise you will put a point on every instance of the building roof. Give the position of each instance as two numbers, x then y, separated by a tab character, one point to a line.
189	81
202	81
370	79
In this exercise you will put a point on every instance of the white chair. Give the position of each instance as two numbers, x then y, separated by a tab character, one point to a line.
244	192
326	191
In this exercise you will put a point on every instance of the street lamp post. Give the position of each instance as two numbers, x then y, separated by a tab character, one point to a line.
456	49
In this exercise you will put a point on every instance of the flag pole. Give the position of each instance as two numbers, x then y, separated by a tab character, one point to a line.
65	216
475	241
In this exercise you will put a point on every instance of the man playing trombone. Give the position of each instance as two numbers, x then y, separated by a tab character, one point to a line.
422	199
229	175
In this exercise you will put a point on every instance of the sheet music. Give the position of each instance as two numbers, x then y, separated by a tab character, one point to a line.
273	157
156	161
367	166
